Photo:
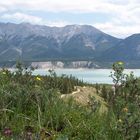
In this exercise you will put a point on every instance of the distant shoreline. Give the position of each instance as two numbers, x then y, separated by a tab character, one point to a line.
76	64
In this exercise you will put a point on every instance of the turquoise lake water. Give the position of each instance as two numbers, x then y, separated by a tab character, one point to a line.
88	75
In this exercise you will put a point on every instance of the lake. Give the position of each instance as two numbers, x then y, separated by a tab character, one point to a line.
87	75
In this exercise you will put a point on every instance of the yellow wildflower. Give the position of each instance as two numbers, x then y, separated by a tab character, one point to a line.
120	121
120	63
38	78
125	109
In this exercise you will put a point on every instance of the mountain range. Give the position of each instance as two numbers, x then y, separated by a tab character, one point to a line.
29	42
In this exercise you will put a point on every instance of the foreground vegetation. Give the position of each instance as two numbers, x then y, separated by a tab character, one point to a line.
31	107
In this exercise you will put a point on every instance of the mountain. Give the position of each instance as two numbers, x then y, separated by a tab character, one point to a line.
127	50
41	43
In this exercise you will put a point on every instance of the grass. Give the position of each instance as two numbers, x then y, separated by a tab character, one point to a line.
50	107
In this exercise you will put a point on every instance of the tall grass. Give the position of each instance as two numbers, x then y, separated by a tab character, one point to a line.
31	109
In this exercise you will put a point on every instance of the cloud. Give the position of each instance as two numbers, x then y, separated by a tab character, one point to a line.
2	9
66	5
23	18
123	14
118	30
99	6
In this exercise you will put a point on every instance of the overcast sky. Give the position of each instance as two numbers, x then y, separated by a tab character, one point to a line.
119	18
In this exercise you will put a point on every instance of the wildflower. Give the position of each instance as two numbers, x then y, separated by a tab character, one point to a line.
125	109
120	121
29	132
38	78
120	63
7	132
29	129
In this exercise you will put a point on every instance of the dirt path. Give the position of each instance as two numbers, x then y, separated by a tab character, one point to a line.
74	92
82	94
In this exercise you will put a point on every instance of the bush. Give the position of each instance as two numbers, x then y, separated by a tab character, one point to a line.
31	108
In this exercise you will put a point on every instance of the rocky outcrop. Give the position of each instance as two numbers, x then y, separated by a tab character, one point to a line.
68	64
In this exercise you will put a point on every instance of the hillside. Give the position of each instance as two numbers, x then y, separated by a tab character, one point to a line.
40	43
36	43
127	50
82	95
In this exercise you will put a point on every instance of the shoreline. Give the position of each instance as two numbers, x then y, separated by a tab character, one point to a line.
94	69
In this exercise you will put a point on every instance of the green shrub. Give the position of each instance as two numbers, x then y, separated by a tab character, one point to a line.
31	107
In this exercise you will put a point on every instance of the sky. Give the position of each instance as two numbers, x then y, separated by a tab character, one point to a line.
119	18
